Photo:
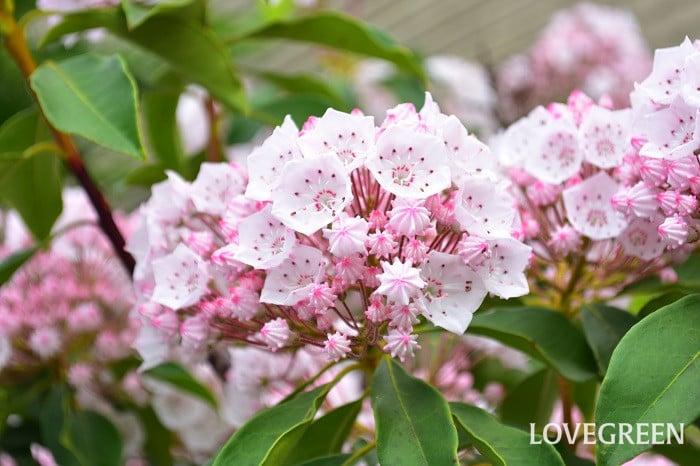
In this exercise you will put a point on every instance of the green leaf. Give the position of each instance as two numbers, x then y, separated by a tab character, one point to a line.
93	439
146	175
54	414
660	301
544	334
653	377
158	438
330	460
92	96
342	32
585	396
328	434
269	437
136	13
305	84
30	177
242	130
32	185
531	401
177	376
13	262
682	455
191	50
299	106
164	141
604	326
503	445
414	425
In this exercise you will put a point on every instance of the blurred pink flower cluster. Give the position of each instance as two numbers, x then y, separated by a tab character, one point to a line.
68	301
598	49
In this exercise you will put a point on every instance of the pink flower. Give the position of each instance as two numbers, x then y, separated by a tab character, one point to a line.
181	278
336	346
409	217
401	344
45	342
347	236
311	193
265	163
263	240
275	333
452	292
400	281
409	164
350	138
589	209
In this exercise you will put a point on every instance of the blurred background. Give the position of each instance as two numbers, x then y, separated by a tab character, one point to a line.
483	30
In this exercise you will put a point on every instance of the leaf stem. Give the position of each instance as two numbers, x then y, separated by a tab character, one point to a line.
16	45
360	453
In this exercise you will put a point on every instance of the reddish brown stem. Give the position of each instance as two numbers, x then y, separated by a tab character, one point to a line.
16	45
214	151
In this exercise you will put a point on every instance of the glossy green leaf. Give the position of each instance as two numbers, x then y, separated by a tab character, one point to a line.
541	333
342	32
92	96
503	445
531	401
269	437
93	439
189	48
604	326
326	435
177	376
13	262
136	13
413	421
653	377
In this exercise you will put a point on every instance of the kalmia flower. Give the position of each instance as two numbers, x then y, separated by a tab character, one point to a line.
666	186
343	227
593	209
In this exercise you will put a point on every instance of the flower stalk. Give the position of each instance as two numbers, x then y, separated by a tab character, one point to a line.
16	45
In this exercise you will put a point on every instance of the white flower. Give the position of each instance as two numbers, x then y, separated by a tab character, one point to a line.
311	193
452	292
410	164
181	278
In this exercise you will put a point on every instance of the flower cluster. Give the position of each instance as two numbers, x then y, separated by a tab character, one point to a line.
596	48
343	237
70	302
663	178
570	164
